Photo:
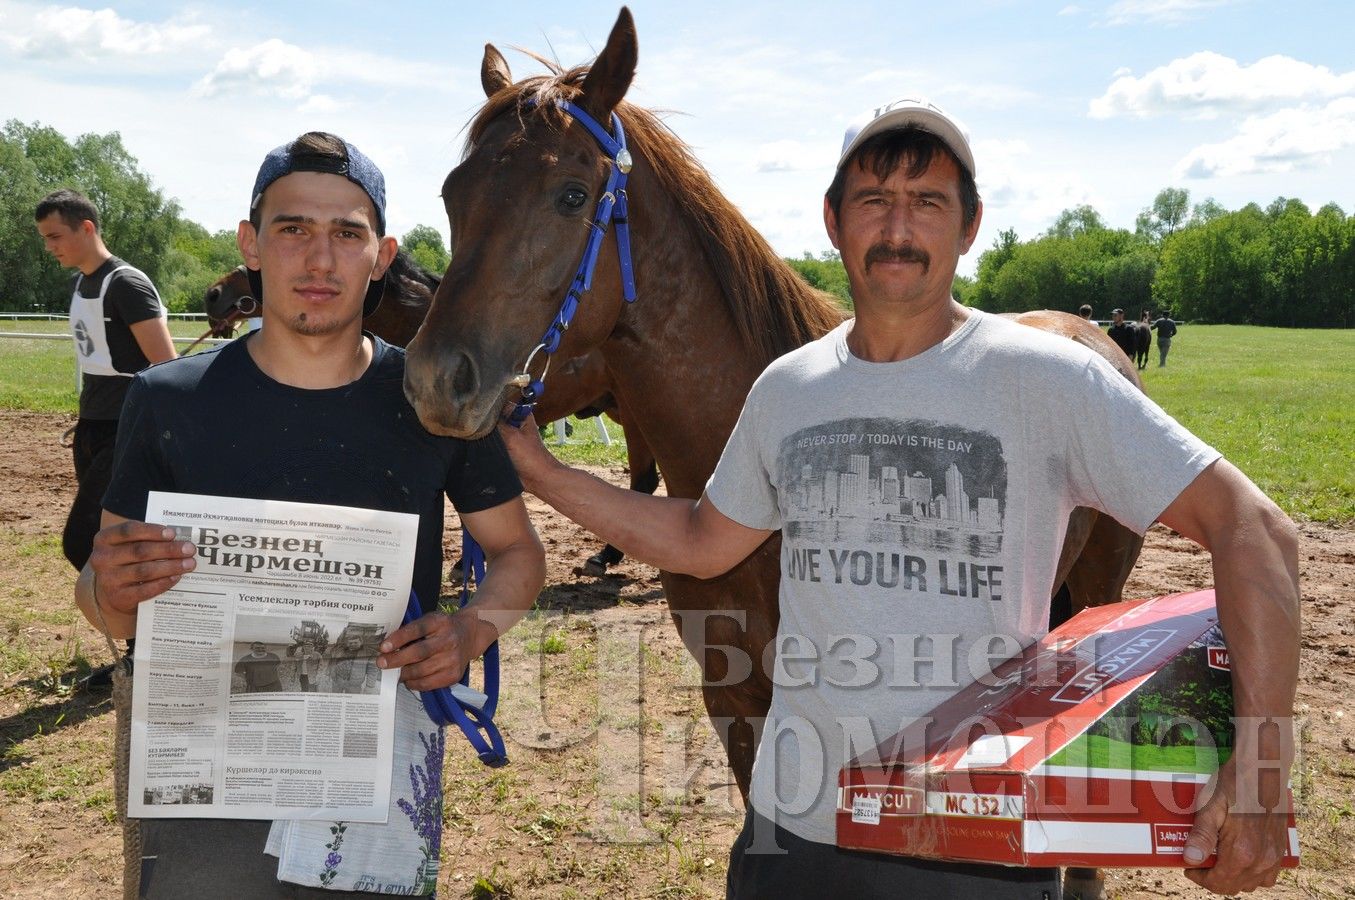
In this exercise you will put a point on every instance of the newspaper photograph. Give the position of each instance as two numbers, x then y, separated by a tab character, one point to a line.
256	692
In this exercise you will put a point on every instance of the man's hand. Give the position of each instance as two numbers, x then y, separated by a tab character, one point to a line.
435	648
1250	845
131	562
530	456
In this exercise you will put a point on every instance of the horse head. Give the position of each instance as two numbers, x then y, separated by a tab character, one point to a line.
229	300
521	205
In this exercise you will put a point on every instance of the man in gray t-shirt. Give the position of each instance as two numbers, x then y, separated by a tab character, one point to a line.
921	461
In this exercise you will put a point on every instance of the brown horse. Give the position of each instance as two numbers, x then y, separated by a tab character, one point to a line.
716	305
580	386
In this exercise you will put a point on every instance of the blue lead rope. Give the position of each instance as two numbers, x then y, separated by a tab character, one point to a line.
447	706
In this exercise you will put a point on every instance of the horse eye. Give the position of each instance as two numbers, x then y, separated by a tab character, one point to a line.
571	200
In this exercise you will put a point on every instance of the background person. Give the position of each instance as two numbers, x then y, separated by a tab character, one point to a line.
319	409
1122	332
1166	330
119	326
997	463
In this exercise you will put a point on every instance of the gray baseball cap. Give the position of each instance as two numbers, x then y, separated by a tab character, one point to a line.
916	111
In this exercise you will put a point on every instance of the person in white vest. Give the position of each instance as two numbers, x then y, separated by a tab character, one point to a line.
119	327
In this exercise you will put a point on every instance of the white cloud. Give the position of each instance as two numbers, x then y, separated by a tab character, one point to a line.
1205	84
277	68
1280	142
273	67
1167	12
76	33
792	156
1070	10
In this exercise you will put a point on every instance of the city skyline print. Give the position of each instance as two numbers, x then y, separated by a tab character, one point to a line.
915	483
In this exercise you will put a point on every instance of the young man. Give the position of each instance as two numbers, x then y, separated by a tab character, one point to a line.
928	429
319	410
118	323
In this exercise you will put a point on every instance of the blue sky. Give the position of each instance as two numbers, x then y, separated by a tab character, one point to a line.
1101	102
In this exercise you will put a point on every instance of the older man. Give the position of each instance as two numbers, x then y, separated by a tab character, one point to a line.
984	434
320	413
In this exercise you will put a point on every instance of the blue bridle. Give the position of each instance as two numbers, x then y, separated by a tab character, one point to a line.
447	705
611	208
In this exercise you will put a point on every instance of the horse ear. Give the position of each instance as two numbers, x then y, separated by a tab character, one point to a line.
610	75
494	74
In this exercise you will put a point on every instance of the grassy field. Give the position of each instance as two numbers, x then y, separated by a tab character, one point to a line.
1280	403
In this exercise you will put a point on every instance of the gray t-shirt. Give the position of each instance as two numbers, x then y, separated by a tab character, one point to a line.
922	505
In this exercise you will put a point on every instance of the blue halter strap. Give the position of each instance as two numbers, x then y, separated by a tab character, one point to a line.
464	708
611	208
447	705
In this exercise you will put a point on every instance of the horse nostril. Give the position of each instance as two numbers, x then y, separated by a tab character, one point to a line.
464	380
212	294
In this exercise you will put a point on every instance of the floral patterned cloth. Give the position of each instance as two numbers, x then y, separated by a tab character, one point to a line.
398	857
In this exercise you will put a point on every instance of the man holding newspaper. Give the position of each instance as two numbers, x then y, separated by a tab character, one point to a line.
317	406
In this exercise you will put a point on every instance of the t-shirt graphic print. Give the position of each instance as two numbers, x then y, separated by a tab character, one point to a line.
903	504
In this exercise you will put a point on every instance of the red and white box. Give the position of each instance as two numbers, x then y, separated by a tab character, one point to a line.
1091	748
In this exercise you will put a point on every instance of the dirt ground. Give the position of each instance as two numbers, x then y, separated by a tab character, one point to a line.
617	786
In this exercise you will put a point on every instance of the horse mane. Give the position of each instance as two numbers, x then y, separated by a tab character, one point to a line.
404	268
773	308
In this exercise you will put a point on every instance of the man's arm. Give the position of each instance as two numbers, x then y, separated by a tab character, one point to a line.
436	648
131	563
153	337
1255	558
670	533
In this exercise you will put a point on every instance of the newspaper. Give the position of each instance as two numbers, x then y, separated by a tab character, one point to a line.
257	693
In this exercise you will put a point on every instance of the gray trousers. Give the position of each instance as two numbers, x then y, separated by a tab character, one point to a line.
217	859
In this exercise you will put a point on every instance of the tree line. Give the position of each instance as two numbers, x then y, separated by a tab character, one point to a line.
1281	265
139	223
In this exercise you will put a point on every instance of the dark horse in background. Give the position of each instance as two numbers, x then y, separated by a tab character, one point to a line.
578	387
1143	342
716	305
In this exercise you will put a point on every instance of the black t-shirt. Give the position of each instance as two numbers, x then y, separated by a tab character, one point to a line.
130	299
213	423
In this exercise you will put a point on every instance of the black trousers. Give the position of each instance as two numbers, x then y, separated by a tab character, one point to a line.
92	453
808	870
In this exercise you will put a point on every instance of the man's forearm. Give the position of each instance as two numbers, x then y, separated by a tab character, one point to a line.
1256	579
513	581
653	530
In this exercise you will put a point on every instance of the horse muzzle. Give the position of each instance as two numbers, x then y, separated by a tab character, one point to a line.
449	395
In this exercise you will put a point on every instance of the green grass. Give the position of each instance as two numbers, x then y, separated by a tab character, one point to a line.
1278	403
1101	752
39	375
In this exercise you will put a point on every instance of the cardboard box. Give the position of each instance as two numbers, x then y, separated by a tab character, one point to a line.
1088	749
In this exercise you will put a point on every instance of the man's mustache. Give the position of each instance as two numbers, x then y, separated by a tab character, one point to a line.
906	254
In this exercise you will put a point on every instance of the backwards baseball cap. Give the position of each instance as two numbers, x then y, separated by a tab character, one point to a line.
351	164
914	111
